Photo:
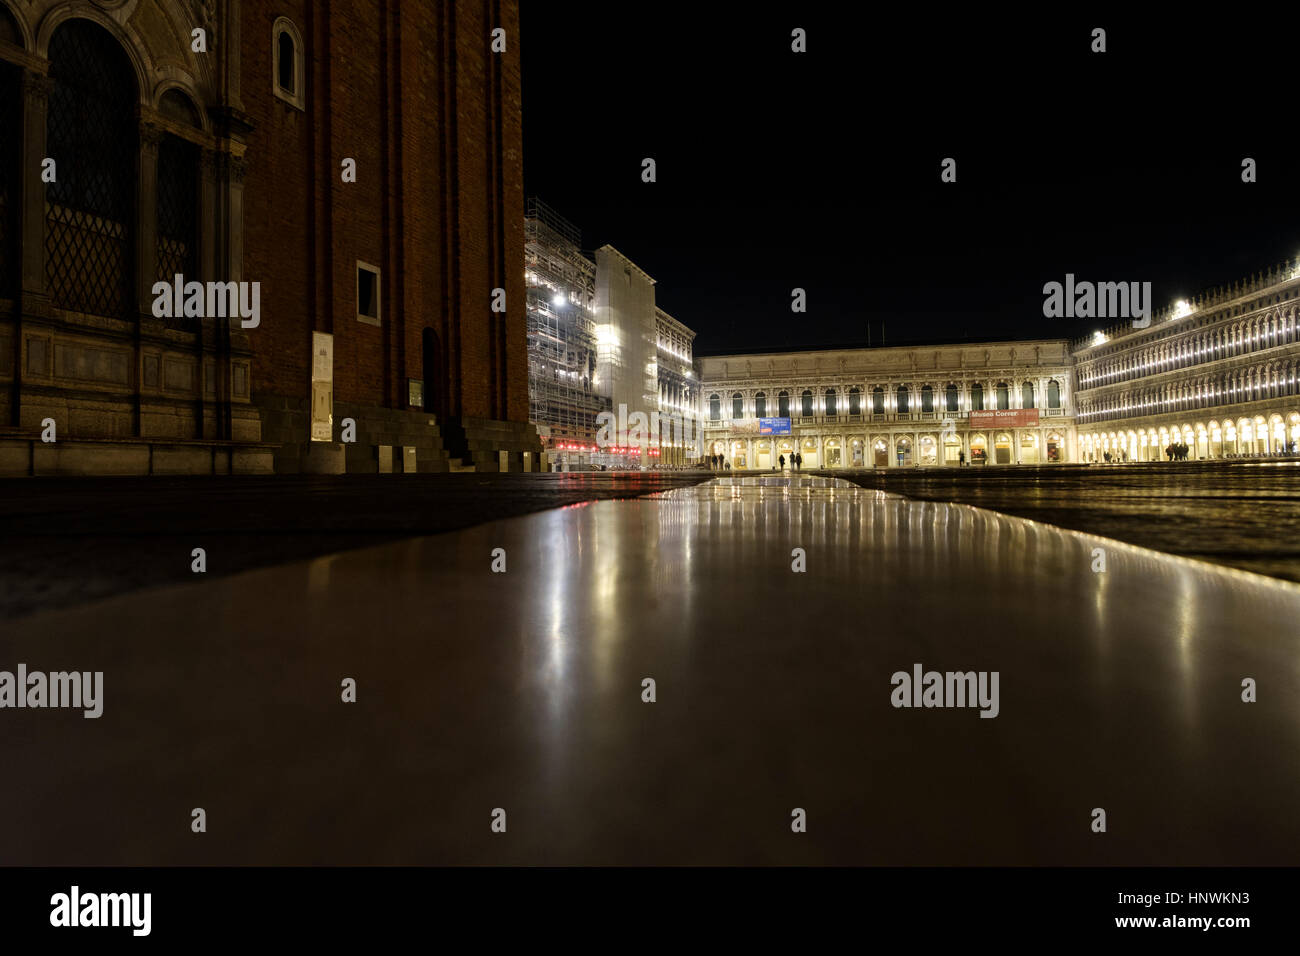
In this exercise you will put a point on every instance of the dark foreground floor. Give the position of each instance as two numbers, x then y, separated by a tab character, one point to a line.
68	540
1245	514
522	691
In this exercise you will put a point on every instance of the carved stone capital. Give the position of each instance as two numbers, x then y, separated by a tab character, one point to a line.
151	134
37	87
226	167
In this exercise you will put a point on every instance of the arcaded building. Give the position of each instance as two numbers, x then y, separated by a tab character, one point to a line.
352	169
1216	373
992	403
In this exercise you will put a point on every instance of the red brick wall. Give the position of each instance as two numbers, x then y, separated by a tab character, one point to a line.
278	248
411	91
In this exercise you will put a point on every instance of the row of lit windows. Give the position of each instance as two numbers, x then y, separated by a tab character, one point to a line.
902	400
1208	346
1247	386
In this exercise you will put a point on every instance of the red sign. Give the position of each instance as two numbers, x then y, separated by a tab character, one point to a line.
1004	418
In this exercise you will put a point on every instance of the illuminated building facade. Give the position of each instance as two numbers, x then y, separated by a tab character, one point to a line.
679	392
992	403
597	343
1216	373
563	399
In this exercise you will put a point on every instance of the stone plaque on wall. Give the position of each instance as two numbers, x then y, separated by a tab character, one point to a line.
322	387
90	364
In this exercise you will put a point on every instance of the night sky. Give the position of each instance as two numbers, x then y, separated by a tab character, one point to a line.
821	170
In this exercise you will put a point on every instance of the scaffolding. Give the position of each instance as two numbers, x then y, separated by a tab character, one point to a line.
563	400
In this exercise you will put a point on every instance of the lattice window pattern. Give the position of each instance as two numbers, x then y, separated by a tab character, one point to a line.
92	136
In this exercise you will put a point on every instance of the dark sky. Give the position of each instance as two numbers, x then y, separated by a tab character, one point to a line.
821	170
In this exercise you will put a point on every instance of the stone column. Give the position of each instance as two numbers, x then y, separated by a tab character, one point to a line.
224	176
33	299
36	95
146	264
146	234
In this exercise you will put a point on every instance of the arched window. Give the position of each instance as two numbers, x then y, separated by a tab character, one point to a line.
760	405
737	406
715	408
1004	395
1027	395
783	404
927	398
878	400
806	399
288	79
977	397
950	398
902	399
1053	394
92	136
855	401
830	402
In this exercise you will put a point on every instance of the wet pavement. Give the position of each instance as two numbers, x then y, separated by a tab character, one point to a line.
1242	514
522	691
64	541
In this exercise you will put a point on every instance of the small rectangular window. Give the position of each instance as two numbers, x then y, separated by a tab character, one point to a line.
368	305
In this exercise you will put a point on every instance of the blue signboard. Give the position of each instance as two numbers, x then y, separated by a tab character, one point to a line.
774	426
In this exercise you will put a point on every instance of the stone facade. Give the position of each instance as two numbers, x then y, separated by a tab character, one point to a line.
893	407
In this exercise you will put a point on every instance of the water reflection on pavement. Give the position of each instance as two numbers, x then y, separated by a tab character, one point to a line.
522	690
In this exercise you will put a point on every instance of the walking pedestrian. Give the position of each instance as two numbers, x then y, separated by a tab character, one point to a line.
782	460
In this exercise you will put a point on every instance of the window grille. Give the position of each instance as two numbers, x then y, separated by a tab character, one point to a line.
92	137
